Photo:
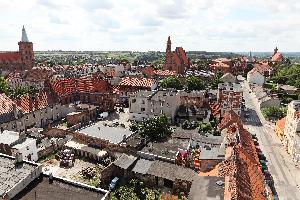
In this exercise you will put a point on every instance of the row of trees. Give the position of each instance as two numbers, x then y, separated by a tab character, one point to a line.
192	83
287	74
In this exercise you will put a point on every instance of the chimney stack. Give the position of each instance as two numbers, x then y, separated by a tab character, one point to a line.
18	158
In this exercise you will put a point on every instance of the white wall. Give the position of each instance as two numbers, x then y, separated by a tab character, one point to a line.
256	78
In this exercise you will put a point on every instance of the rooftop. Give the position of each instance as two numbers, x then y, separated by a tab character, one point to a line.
9	137
59	189
113	134
11	173
214	153
208	188
125	161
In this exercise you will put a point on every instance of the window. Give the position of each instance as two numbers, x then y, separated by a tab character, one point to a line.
133	100
142	109
27	147
162	104
152	110
161	111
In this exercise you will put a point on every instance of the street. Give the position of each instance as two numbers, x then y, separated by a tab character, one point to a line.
286	176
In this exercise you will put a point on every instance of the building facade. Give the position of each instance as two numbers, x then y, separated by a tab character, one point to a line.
147	104
291	139
230	97
256	77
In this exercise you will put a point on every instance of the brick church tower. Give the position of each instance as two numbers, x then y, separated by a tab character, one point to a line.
26	50
177	60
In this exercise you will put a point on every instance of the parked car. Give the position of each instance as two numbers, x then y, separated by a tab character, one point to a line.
113	183
246	115
261	156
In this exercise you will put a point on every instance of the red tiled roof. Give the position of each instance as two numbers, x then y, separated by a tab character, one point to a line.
262	67
281	123
38	74
150	71
10	56
6	104
37	102
13	75
250	180
229	118
85	85
137	82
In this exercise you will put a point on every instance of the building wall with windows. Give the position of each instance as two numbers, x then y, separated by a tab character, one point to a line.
291	139
147	104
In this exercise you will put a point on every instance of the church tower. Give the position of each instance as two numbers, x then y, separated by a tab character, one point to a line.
168	49
275	51
26	51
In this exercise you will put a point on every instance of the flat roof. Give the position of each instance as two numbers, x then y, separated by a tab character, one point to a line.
26	142
9	137
59	189
214	153
11	174
113	134
207	188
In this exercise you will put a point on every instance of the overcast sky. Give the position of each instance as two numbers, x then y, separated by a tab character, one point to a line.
142	25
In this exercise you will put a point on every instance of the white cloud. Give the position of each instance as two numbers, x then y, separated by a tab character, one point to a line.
231	25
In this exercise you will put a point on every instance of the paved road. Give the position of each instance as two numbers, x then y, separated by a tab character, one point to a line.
286	176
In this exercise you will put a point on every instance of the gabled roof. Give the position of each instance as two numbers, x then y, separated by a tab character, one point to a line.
6	104
36	102
84	85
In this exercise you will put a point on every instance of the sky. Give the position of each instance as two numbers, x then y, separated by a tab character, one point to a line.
144	25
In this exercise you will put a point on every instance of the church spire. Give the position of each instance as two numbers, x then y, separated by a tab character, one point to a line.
24	35
169	45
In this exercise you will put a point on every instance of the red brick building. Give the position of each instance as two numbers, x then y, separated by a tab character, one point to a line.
19	60
176	60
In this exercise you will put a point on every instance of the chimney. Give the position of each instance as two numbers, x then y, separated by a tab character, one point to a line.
50	178
15	111
18	158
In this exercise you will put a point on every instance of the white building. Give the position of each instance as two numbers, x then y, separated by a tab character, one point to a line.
256	77
14	143
292	130
148	104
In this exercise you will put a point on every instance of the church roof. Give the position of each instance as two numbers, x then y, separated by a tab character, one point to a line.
10	56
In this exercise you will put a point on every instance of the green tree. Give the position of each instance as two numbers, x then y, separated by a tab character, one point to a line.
4	87
216	80
274	113
194	83
154	128
171	82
